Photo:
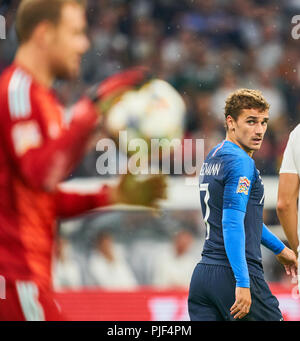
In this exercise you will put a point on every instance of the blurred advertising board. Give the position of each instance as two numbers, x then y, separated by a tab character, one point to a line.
148	304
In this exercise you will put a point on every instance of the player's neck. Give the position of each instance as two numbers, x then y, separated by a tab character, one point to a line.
233	140
33	61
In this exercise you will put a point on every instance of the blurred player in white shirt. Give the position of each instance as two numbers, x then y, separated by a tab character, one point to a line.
288	190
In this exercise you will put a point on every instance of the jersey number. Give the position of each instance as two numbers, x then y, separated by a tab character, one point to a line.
204	187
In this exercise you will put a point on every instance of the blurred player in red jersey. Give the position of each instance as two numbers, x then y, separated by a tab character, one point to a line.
38	150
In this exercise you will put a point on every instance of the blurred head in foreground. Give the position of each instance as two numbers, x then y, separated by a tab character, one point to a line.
183	241
55	32
246	118
105	245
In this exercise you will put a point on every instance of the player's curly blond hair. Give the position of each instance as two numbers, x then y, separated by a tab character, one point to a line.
244	99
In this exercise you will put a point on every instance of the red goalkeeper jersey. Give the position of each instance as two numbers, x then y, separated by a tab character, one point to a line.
38	149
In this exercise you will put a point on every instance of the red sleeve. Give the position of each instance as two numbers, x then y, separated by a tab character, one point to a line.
70	204
43	149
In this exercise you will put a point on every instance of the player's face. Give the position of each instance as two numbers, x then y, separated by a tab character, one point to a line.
249	129
69	42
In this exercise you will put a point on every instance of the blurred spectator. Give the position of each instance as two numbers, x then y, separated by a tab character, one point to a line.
108	265
249	27
229	83
175	52
204	125
67	272
289	81
144	40
174	267
270	51
108	50
274	97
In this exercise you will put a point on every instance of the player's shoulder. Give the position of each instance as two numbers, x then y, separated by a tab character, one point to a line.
14	73
231	153
17	92
5	78
235	161
15	88
15	81
295	133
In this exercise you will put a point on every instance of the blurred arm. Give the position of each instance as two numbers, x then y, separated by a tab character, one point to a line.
42	160
287	208
71	204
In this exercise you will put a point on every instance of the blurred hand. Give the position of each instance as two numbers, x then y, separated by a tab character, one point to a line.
289	260
108	92
242	303
141	190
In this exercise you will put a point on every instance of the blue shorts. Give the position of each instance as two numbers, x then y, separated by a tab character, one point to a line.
212	293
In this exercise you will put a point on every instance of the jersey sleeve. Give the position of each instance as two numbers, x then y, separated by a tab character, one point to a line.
42	151
71	204
289	163
238	179
235	245
270	241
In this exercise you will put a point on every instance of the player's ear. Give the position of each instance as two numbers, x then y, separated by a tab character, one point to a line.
43	34
230	123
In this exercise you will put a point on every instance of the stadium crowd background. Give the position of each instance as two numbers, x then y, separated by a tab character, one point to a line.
206	49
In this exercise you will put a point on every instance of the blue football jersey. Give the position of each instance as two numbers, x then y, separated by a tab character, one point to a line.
229	179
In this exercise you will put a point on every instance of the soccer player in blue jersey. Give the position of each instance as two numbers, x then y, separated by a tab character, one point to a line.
228	283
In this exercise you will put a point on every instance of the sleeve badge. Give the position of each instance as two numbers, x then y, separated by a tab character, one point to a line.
243	185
